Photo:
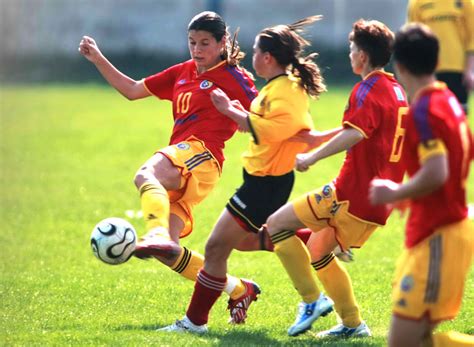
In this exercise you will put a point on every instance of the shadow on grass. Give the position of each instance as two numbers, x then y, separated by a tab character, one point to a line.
262	338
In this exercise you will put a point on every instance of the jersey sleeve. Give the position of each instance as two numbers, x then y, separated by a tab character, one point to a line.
362	115
429	131
161	84
277	125
412	14
238	86
469	22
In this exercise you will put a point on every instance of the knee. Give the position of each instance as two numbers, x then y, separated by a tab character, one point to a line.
273	223
138	180
141	176
215	251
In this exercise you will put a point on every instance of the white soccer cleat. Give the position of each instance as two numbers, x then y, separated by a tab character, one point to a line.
343	332
185	326
308	313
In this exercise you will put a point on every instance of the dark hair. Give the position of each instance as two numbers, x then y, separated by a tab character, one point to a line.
215	25
285	44
416	48
375	39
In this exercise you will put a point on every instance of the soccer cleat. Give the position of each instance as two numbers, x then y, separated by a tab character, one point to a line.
185	326
341	331
345	256
154	244
308	313
238	307
156	248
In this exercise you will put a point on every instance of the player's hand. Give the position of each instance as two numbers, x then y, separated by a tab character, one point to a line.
89	49
468	79
220	100
236	103
304	161
382	191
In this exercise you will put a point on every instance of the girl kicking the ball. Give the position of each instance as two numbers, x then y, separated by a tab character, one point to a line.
178	177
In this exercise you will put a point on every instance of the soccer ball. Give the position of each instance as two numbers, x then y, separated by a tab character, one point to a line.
113	240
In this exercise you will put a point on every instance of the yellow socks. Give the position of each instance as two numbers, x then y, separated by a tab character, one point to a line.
188	264
295	258
155	205
338	286
452	339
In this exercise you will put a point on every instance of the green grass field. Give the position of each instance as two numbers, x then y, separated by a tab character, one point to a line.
68	158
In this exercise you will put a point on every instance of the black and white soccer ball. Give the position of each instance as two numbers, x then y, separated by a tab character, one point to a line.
113	240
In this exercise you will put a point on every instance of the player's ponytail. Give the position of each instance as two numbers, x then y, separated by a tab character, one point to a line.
308	71
233	55
286	45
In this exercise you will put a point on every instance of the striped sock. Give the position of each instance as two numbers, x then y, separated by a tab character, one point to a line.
155	205
188	264
206	292
337	284
296	259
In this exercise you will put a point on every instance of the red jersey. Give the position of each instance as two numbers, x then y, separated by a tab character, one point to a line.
436	117
193	111
376	108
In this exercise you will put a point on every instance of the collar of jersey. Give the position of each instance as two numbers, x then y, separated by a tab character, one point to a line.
383	72
436	85
275	77
215	66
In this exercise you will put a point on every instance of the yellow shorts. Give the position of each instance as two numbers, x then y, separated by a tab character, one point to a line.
320	209
200	172
429	279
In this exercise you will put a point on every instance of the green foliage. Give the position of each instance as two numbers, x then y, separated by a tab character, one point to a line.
68	157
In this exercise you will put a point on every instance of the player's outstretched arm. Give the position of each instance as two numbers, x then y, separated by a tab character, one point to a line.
232	109
127	86
314	138
430	177
341	142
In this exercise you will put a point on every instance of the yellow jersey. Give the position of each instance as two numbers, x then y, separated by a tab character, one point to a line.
453	22
280	110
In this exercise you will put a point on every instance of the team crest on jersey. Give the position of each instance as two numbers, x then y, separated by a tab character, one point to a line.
183	81
327	191
206	84
407	283
183	146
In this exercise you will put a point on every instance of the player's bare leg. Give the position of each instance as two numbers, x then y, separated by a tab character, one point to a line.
408	333
212	279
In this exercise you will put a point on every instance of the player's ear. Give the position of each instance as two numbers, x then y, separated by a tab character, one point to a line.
364	57
267	57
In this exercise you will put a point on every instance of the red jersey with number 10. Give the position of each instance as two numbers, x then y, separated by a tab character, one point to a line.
376	108
193	111
437	125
